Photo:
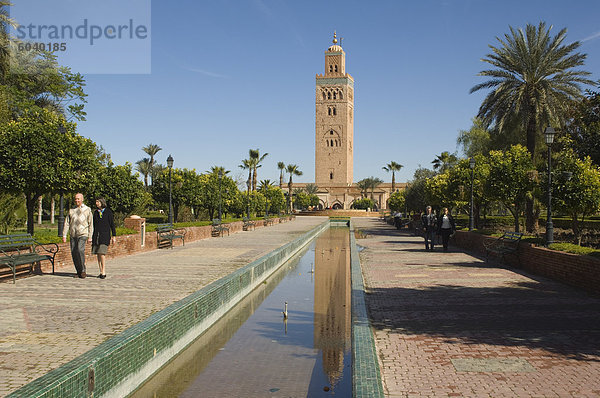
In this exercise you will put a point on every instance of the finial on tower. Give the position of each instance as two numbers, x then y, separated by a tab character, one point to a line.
334	37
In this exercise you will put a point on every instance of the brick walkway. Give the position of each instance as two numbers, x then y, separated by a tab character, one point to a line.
448	324
46	321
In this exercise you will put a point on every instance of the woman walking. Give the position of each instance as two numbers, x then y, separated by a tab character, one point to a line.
445	227
104	226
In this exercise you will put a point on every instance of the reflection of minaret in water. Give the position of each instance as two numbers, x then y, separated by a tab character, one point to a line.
332	300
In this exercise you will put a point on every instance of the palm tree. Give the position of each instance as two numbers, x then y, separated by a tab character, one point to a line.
247	165
311	189
255	156
265	185
374	182
393	167
533	81
363	185
444	161
292	170
143	166
218	169
151	150
281	167
5	23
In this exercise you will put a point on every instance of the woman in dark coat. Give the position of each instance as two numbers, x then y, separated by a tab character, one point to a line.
445	227
104	226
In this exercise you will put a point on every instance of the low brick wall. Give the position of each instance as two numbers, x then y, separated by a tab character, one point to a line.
131	244
572	269
119	365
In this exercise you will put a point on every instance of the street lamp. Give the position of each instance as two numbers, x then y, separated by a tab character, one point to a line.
549	136
248	198
170	165
472	166
220	178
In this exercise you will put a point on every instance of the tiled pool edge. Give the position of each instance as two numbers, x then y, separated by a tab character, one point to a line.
366	377
122	363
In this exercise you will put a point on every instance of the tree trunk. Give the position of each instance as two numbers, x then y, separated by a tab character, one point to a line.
52	206
281	179
254	178
393	182
39	220
531	221
576	229
30	200
290	194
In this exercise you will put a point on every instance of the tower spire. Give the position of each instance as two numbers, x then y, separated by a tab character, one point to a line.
334	37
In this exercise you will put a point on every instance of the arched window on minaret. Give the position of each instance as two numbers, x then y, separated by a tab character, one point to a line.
331	68
341	94
334	95
329	111
329	95
334	111
324	95
331	142
336	69
331	175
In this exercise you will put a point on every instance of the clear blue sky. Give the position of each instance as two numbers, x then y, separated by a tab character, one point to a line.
230	75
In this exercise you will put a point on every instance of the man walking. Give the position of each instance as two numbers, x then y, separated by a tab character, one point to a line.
79	223
429	221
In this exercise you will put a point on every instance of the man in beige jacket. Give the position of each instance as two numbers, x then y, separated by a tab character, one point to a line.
79	223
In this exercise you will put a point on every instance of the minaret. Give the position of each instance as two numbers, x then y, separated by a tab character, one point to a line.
334	126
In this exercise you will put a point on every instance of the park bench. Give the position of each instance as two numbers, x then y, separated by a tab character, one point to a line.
505	245
22	249
268	221
248	223
218	228
166	234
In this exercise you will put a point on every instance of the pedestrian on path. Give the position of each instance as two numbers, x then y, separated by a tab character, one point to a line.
445	227
79	224
104	226
429	222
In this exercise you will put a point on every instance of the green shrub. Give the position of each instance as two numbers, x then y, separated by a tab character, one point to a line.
575	249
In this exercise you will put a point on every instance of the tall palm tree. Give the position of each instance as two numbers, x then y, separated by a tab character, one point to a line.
292	170
374	182
255	156
265	185
151	150
143	166
533	81
444	161
393	167
247	165
281	167
5	23
217	169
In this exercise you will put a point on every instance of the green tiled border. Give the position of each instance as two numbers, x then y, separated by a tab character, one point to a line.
119	365
366	377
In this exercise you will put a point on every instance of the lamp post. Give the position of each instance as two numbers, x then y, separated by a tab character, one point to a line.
220	178
549	136
170	165
472	167
248	199
61	201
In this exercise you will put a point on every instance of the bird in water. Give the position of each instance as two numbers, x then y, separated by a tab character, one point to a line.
285	313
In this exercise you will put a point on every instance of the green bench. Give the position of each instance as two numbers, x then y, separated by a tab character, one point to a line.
505	245
22	249
248	224
218	228
167	233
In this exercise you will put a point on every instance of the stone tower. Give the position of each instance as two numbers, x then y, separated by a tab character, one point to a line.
334	126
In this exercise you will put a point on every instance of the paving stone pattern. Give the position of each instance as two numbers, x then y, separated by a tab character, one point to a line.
49	320
450	325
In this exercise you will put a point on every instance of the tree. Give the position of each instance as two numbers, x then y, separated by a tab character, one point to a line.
122	189
311	189
363	186
363	204
444	161
510	179
247	164
393	167
459	185
281	167
397	201
27	167
144	166
292	170
151	150
374	182
583	126
534	81
10	207
475	141
214	188
579	196
415	190
256	159
5	23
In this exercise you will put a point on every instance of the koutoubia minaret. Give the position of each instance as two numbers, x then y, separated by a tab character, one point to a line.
334	127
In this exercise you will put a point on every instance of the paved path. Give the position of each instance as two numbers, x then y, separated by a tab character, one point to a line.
46	321
448	324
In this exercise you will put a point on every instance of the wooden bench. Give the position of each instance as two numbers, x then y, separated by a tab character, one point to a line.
248	223
166	234
22	249
507	244
218	228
